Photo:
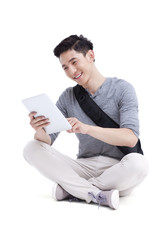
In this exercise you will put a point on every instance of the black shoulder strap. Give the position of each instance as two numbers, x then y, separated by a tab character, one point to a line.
99	117
92	109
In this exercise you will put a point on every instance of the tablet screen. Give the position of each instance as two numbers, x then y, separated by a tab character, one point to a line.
45	107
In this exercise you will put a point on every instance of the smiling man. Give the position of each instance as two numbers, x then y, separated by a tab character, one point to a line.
110	162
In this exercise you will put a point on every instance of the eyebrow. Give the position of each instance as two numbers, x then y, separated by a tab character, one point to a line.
69	61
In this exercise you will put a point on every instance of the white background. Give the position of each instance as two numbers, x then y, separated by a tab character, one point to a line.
126	37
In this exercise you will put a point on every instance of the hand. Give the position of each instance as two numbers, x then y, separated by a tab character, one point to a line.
38	123
77	126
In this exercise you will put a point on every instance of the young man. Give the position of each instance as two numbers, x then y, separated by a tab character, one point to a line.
102	172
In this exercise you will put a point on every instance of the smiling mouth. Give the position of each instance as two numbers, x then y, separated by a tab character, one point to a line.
78	76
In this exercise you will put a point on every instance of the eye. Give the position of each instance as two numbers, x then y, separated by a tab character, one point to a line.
74	62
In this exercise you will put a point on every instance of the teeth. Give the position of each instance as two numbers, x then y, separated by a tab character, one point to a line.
78	76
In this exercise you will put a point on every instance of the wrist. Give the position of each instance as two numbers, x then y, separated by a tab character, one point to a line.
40	133
43	137
89	129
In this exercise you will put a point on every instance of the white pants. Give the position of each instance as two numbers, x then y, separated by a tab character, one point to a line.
80	176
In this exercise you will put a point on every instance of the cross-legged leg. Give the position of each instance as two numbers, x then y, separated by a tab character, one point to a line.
60	169
124	175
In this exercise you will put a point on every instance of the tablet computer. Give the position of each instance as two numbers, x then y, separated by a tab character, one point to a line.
45	107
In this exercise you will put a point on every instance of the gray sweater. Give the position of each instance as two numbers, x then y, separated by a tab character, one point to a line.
117	98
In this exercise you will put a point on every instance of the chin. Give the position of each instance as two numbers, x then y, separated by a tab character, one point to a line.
82	82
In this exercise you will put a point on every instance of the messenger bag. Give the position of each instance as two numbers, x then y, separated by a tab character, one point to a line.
100	118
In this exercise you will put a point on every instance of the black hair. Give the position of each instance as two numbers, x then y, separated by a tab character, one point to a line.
77	43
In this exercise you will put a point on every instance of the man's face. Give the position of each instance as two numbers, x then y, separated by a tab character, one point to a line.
77	66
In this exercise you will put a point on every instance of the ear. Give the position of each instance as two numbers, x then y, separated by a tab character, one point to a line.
91	55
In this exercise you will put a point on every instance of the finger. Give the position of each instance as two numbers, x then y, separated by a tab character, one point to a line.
69	118
38	123
41	126
72	121
34	123
70	131
32	114
75	127
37	119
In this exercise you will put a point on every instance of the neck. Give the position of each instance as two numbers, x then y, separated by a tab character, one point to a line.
95	81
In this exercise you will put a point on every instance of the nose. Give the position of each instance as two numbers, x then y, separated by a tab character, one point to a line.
72	70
